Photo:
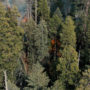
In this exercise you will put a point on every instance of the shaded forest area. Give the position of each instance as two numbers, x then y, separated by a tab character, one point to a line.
46	49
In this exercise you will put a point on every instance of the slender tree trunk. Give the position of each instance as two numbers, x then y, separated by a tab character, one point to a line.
25	62
36	11
86	15
5	75
29	8
42	42
79	58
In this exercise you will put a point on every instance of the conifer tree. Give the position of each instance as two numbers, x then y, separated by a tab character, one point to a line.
67	35
88	43
12	86
87	60
54	4
36	46
54	23
68	65
52	40
13	15
58	86
85	51
80	11
84	83
38	79
41	40
54	26
66	7
10	41
58	13
29	41
43	9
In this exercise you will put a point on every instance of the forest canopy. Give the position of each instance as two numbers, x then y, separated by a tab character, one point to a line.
44	44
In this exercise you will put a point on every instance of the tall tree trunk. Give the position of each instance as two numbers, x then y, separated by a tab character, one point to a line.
29	8
5	75
86	15
36	11
42	42
25	62
79	58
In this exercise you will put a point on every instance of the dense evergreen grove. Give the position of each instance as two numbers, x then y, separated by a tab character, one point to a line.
48	49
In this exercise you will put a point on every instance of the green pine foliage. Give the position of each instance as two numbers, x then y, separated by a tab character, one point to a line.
11	42
88	41
29	41
12	86
41	40
52	54
43	9
13	15
58	13
68	65
54	27
38	35
54	4
38	79
85	51
58	86
67	35
84	83
55	24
